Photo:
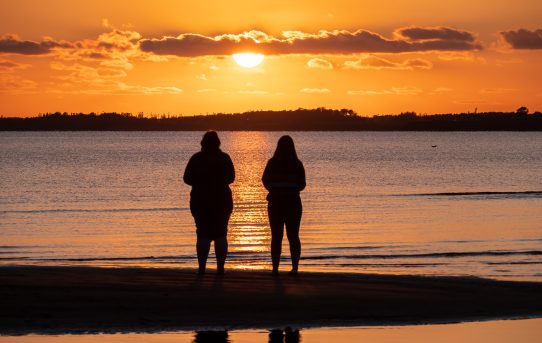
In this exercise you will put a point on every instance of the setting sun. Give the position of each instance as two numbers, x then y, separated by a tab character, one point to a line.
248	59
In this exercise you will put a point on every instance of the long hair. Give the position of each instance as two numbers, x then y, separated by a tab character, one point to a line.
210	141
285	149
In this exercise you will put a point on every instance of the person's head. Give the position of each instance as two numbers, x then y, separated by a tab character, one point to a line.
285	149
210	141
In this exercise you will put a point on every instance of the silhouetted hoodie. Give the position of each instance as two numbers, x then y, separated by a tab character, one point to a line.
210	172
284	174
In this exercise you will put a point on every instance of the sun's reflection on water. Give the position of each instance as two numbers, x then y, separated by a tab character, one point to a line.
249	229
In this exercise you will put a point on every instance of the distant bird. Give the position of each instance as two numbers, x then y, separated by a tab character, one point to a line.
433	146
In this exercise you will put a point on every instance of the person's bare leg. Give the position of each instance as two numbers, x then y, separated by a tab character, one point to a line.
277	231
202	247
221	251
292	232
295	248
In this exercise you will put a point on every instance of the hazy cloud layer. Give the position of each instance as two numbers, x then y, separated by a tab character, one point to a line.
13	84
523	39
315	90
391	91
319	63
6	65
440	91
254	92
410	39
84	79
379	63
497	90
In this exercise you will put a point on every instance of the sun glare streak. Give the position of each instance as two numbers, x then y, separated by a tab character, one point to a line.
248	59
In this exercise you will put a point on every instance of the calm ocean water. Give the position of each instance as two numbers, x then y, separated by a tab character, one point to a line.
375	202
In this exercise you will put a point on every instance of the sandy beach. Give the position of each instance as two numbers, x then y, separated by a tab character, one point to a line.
88	299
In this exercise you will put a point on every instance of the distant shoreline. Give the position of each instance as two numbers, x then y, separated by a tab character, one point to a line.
52	300
319	119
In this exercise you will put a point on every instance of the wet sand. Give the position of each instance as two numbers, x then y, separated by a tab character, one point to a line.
87	299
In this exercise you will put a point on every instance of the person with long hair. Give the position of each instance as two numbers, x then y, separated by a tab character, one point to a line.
284	178
210	172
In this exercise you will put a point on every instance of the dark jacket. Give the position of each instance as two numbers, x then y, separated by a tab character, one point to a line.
284	177
210	173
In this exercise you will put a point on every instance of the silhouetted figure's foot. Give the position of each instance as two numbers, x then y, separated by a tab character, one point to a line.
201	272
220	272
293	272
211	336
276	336
291	335
275	273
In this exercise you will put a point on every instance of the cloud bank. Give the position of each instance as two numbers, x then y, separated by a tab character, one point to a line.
410	39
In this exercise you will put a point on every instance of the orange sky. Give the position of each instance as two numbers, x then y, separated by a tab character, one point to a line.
174	57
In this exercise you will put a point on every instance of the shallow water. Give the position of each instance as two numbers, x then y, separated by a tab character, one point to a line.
509	331
378	202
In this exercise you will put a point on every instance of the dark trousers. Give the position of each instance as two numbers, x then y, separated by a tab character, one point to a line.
285	211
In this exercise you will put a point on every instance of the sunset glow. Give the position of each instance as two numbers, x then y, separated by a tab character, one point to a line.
172	57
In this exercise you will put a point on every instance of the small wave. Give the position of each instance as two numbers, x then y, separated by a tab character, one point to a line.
19	246
530	240
384	264
91	259
474	194
366	247
428	255
108	210
515	262
259	256
242	255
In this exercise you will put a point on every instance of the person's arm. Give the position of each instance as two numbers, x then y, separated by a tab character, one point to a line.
230	174
301	182
266	177
188	176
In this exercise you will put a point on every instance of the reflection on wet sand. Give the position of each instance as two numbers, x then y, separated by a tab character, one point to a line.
211	337
287	335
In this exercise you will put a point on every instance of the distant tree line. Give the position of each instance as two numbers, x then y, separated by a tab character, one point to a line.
318	119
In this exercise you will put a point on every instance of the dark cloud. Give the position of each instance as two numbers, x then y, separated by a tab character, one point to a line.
409	39
11	44
435	33
523	39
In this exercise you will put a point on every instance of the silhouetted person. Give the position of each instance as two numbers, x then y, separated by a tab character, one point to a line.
210	173
211	337
284	178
